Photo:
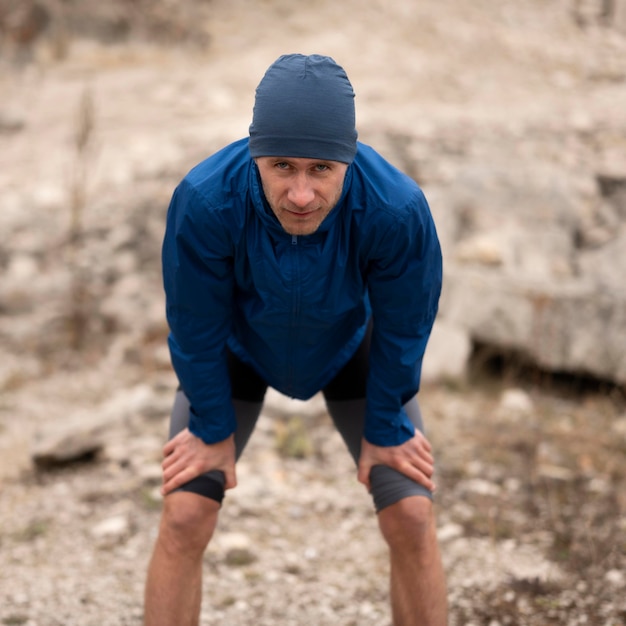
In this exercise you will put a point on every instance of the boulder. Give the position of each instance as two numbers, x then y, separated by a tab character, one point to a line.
67	443
534	259
575	327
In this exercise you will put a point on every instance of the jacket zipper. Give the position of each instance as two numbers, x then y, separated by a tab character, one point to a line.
295	306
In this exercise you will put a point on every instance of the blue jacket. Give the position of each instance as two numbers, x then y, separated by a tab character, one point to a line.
295	308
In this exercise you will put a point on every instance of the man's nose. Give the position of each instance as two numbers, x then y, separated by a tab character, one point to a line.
301	192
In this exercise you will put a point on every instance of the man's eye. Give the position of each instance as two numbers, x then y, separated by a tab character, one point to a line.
321	167
281	165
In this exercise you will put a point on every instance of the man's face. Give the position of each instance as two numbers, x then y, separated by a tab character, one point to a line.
301	192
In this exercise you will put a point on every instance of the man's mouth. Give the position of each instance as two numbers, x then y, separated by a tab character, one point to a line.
301	214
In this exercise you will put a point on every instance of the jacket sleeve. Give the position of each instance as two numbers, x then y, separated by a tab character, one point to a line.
404	282
198	282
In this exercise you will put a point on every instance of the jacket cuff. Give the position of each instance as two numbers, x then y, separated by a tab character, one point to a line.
388	434
210	433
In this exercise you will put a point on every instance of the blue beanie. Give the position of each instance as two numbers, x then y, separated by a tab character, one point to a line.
304	107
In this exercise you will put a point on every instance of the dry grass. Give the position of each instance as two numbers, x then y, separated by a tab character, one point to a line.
560	476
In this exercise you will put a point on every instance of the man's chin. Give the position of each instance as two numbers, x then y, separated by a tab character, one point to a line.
301	232
298	230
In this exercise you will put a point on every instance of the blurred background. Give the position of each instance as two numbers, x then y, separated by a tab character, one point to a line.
511	115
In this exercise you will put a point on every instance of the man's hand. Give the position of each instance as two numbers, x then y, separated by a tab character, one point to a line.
413	458
187	457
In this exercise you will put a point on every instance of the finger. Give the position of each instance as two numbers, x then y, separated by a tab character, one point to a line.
169	460
169	447
176	457
422	447
169	486
363	476
179	474
230	478
178	461
178	479
425	462
418	476
424	465
426	444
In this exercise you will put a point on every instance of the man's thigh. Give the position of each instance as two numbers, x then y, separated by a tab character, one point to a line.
248	391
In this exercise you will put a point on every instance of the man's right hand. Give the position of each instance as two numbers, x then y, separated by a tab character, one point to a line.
187	457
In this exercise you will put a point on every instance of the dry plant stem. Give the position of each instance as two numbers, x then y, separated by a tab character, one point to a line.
85	123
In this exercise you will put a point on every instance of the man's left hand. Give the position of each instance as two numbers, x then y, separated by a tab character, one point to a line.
413	458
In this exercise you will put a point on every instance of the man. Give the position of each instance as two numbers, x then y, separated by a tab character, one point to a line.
299	258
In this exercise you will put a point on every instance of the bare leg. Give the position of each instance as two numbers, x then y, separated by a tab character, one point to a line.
174	583
418	586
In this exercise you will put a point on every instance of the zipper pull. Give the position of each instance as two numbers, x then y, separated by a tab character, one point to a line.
294	240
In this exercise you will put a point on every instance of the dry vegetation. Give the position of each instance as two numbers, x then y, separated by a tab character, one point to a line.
560	481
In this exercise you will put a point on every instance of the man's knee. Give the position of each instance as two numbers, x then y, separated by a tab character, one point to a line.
187	522
410	521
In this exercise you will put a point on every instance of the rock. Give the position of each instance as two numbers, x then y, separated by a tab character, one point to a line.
239	557
279	405
600	486
616	578
130	403
447	354
22	268
619	427
573	326
237	549
82	436
555	472
481	250
481	487
533	258
515	403
66	443
605	264
449	531
112	528
150	473
232	540
10	123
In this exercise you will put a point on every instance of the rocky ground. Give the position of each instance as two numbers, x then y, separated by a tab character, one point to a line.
104	108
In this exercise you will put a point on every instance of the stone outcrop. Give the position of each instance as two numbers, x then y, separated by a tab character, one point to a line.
534	241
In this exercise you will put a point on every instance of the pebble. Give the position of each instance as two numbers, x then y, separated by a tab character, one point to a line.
449	531
516	403
112	527
482	487
615	577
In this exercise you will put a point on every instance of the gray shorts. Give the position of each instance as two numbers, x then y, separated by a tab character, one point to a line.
387	485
